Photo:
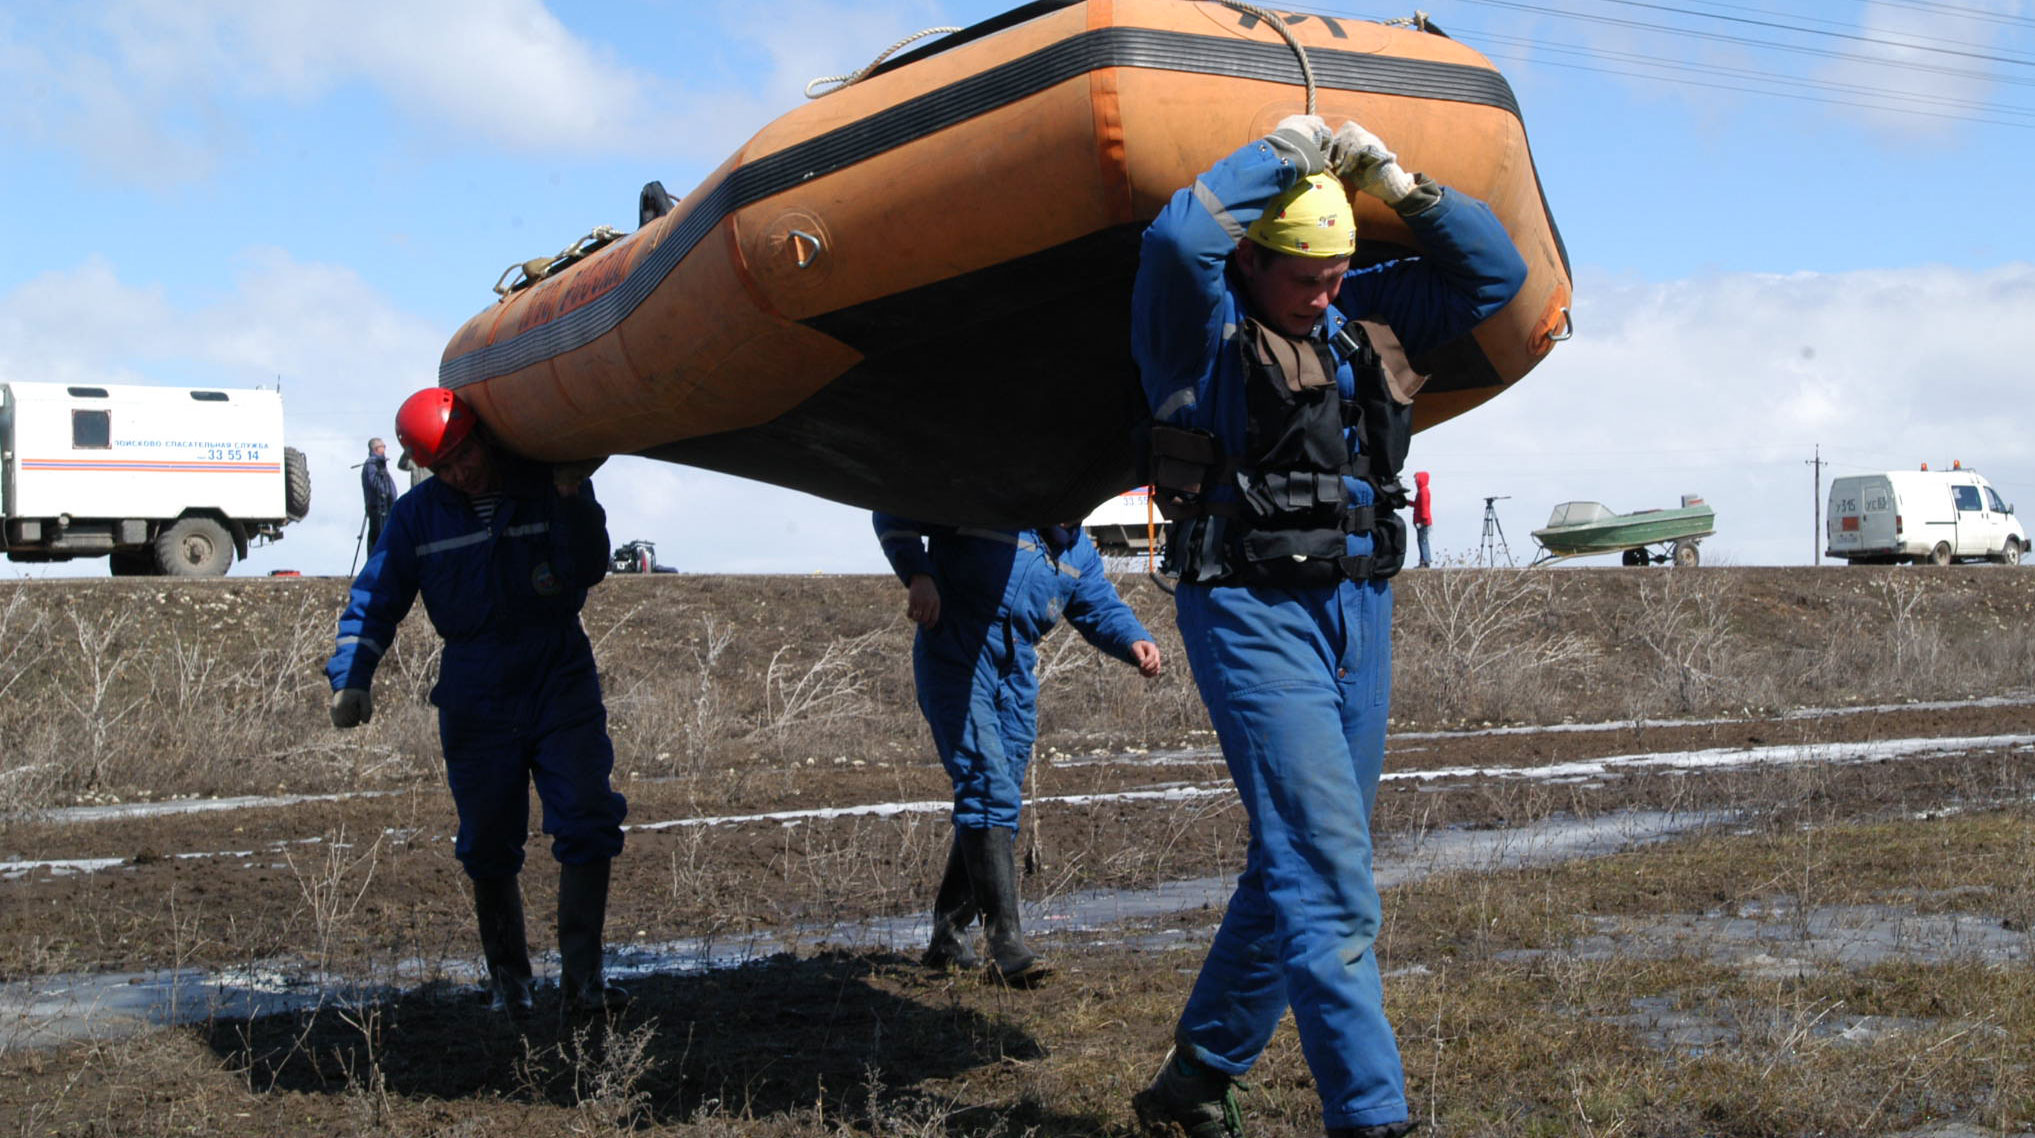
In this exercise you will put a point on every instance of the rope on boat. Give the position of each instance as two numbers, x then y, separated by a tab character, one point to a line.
854	77
1285	33
1271	18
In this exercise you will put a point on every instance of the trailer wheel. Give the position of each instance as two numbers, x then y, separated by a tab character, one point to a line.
1941	554
1632	558
131	564
1686	556
296	484
194	547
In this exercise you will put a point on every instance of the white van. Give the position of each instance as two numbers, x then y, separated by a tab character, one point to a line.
1126	525
158	480
1937	516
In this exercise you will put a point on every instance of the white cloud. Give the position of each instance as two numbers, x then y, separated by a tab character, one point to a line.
1724	386
168	85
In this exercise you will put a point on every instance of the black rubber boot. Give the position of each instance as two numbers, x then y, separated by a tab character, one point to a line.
992	871
498	903
582	912
953	910
1188	1100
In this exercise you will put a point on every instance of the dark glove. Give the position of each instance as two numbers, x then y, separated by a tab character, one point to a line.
351	707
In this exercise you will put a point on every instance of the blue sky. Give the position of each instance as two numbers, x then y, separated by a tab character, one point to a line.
209	191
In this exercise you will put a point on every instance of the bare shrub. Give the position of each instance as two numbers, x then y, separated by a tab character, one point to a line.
1481	643
105	650
334	886
1685	627
824	693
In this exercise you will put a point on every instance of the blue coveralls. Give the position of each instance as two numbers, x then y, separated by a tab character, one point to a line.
517	695
1296	680
1001	591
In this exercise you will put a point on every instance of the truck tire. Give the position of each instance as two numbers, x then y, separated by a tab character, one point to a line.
296	484
2009	554
1941	554
131	564
194	547
1686	556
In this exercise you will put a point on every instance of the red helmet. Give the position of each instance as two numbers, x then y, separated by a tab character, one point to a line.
432	422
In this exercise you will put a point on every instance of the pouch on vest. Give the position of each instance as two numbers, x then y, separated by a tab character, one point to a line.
1385	420
1186	463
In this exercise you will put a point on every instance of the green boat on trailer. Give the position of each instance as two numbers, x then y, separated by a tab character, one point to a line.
1583	529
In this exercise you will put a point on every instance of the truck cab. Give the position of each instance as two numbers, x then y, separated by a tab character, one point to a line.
1933	516
158	480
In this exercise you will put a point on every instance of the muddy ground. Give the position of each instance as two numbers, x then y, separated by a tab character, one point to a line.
782	795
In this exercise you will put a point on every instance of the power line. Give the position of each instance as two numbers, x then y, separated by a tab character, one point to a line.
1777	26
1757	91
1954	10
1962	11
1833	86
1766	44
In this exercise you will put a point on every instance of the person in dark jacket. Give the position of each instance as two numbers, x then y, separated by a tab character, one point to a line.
377	489
503	552
1276	445
983	599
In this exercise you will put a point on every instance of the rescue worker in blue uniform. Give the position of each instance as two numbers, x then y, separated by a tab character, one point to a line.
1277	441
983	599
503	552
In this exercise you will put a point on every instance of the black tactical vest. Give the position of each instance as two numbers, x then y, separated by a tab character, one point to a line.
1288	529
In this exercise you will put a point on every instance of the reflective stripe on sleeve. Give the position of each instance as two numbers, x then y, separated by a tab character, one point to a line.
1217	210
431	547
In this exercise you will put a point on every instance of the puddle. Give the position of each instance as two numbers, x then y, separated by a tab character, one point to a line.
119	810
1780	941
1658	1023
1580	771
56	1009
1725	758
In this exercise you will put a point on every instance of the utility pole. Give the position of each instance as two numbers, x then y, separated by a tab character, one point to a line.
1816	504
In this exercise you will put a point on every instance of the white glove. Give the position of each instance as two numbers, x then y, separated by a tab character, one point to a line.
1310	127
1360	156
351	707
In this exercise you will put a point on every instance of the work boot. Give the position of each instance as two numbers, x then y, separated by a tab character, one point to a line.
992	872
953	909
498	903
1189	1100
582	911
1382	1130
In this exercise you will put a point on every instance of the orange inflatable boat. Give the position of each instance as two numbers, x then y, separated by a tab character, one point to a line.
913	293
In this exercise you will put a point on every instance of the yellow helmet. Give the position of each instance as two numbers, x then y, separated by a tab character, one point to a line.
1312	218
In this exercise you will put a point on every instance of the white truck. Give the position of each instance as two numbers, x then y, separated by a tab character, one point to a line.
172	481
1937	516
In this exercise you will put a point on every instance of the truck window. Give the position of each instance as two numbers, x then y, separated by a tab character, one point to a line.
209	396
1967	498
91	429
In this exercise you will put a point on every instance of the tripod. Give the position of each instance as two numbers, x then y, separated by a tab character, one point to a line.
1494	534
357	540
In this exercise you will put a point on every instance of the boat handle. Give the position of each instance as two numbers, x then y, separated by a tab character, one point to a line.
1568	331
805	259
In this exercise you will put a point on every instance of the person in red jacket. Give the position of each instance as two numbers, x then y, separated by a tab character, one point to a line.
1423	514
